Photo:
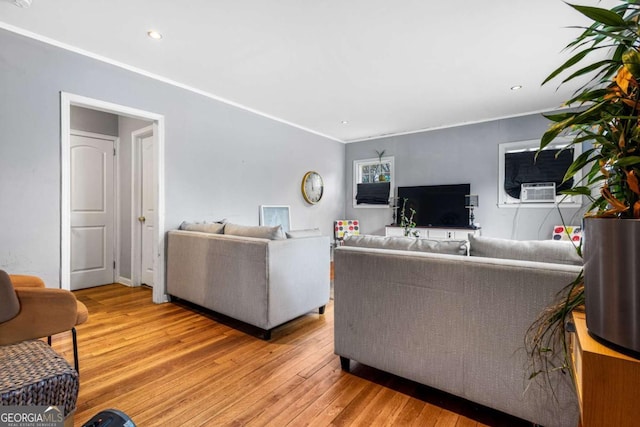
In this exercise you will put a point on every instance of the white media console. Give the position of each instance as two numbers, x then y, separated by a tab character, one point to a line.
434	233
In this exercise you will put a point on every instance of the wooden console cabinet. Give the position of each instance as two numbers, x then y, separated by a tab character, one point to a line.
607	382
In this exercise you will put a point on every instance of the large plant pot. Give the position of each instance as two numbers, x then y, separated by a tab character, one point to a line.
612	280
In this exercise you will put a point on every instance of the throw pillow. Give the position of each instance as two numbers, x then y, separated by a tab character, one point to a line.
9	303
205	227
310	232
260	231
451	247
557	252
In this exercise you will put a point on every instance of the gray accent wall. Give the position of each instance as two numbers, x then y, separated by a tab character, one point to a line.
460	155
220	161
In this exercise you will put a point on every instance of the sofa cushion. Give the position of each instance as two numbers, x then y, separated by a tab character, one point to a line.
451	247
309	232
259	231
205	227
557	252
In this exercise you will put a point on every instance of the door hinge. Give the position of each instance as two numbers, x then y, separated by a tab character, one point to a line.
114	265
114	151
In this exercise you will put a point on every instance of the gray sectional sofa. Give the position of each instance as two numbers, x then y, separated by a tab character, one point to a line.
453	322
264	281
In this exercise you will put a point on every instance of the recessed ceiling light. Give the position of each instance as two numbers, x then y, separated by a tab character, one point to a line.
154	34
516	87
344	122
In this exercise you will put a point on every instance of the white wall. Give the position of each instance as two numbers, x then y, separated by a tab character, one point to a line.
460	155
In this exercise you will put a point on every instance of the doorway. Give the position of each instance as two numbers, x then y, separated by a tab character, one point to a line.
155	237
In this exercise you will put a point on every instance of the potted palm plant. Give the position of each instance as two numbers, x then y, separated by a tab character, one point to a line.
605	115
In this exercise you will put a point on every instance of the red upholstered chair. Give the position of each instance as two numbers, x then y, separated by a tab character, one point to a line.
28	310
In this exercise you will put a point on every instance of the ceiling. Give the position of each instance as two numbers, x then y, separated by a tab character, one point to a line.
384	67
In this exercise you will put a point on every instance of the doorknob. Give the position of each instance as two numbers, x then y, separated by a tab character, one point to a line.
142	219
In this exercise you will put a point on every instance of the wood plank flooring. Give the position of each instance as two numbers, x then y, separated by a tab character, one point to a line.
177	365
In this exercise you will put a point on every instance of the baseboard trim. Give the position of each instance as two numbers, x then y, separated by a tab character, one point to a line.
125	281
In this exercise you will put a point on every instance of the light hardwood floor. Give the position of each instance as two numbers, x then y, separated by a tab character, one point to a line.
175	365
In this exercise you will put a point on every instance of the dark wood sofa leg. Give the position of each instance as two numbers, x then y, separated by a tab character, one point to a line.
266	335
75	350
345	363
321	309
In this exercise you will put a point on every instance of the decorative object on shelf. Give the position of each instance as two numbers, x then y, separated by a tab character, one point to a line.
273	215
345	227
381	177
393	204
407	223
606	116
471	201
312	187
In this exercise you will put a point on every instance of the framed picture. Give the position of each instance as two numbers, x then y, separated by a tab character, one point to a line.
273	215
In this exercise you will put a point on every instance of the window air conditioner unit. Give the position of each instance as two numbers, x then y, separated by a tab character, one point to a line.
538	192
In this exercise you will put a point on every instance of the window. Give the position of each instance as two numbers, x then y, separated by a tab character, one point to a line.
373	171
518	165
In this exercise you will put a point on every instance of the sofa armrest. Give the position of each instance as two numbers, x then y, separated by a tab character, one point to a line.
298	277
43	312
26	281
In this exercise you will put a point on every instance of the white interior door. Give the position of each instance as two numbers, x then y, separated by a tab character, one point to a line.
92	210
148	203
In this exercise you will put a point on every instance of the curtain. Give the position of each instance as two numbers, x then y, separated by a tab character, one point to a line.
373	193
522	167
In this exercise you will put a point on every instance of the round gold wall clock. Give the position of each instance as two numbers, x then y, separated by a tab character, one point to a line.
312	187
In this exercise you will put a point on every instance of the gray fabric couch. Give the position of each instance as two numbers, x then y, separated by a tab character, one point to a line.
259	281
455	323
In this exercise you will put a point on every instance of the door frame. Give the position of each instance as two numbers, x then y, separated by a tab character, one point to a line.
115	242
136	203
66	101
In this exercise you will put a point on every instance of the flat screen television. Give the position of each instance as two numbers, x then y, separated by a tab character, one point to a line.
435	205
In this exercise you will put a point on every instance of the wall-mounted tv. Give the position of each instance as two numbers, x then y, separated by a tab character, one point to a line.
436	205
